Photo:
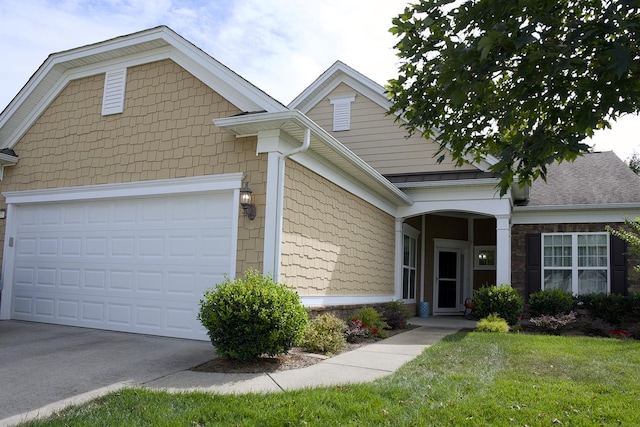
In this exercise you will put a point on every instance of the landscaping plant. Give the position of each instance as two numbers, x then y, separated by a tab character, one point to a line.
502	300
252	316
395	314
553	324
551	302
612	308
492	323
372	320
325	334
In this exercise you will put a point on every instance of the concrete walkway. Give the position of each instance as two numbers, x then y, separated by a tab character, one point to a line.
363	364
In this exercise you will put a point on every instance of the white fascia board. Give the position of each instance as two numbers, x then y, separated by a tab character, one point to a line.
482	182
8	160
575	214
218	77
199	184
321	135
476	200
326	170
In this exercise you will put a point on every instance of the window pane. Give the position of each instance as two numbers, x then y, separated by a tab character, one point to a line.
407	251
412	285
405	283
592	281
557	251
558	279
412	260
592	250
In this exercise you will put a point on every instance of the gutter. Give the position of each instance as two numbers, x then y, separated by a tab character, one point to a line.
280	199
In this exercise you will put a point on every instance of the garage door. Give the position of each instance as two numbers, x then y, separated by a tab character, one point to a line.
138	264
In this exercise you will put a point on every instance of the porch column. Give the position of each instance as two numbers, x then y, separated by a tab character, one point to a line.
503	249
398	258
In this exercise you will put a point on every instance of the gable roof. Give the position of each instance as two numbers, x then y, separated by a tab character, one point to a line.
340	73
599	178
134	49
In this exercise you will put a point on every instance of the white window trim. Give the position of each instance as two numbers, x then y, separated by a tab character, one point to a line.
412	233
476	257
342	111
574	259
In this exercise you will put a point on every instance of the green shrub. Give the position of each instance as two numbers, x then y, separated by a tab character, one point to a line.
551	302
596	328
252	316
325	334
503	300
395	314
372	320
612	308
492	323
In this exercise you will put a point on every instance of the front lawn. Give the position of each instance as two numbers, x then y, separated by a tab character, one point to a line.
470	379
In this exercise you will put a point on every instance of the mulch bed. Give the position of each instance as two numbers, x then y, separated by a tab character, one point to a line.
294	359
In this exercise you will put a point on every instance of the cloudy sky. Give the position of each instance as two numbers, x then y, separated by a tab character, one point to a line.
281	46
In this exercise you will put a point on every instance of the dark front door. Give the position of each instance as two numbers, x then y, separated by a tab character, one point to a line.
447	279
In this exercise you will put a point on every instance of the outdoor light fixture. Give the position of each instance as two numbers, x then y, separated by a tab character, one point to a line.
246	202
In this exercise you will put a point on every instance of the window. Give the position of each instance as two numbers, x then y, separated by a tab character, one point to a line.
409	263
575	262
342	111
485	258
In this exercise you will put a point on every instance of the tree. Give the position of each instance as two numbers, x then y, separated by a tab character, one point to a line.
634	163
523	81
631	235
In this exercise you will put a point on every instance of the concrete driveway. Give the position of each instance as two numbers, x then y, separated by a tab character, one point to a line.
41	365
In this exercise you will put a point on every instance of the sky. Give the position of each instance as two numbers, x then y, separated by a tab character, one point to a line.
281	46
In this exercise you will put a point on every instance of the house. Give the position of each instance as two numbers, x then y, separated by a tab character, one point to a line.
124	165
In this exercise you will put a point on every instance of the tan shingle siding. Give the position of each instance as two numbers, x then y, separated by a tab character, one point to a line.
165	131
333	242
378	140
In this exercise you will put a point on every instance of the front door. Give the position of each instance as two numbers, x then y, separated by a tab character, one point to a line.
451	275
447	280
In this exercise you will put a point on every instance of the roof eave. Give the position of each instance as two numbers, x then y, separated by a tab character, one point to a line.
251	124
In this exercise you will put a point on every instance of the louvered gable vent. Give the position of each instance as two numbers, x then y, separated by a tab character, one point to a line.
113	97
342	111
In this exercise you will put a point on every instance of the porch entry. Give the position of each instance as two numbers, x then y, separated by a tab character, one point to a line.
452	275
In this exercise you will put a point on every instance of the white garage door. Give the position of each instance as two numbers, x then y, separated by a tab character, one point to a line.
137	264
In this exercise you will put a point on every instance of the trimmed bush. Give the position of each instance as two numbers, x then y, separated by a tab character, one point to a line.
502	300
395	314
492	323
612	308
596	328
325	334
551	302
252	316
372	320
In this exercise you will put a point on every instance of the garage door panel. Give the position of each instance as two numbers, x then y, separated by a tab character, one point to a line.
135	265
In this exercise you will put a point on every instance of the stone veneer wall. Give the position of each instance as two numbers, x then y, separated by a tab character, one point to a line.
333	242
165	131
518	249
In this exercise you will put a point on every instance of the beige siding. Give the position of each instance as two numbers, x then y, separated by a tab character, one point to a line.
379	140
165	131
333	242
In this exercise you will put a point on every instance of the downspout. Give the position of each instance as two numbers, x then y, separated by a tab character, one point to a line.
280	200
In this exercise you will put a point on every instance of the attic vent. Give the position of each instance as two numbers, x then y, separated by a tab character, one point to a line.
113	97
342	111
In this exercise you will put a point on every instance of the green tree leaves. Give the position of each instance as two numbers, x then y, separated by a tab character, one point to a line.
524	81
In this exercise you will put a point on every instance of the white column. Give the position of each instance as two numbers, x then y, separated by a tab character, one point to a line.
399	254
503	249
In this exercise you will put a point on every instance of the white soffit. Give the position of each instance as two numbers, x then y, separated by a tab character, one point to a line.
294	123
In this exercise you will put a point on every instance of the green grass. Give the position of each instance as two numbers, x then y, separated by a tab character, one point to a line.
470	379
